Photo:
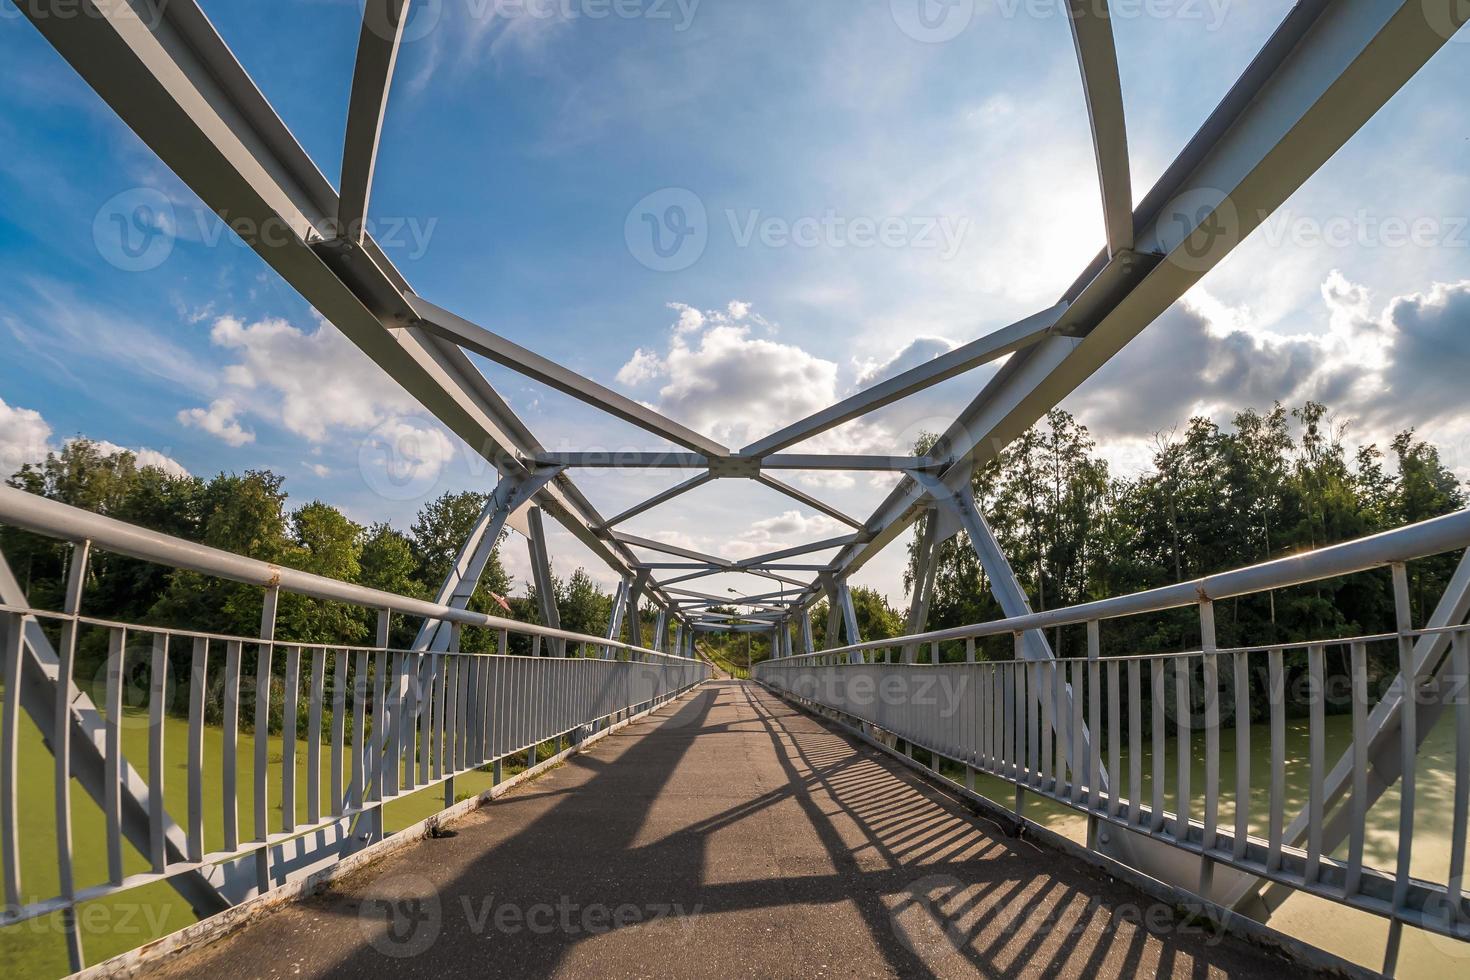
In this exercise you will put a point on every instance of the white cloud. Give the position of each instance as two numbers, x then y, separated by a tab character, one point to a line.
317	380
145	457
24	437
220	419
783	531
1388	366
644	365
721	380
921	350
403	457
317	384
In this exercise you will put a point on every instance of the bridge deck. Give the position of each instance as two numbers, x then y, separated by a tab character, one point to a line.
729	836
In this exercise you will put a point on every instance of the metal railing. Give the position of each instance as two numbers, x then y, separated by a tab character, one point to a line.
372	724
1139	744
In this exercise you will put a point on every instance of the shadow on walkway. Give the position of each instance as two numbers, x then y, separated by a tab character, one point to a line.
729	835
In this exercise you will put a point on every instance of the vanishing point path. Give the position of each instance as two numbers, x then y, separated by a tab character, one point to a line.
728	836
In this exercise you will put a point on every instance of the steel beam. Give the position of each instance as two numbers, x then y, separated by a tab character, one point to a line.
372	78
1097	57
991	347
657	499
459	586
506	353
174	82
1320	77
541	572
808	500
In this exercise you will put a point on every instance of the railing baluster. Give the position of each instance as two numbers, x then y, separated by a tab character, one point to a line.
158	681
1460	688
290	702
1156	685
117	640
315	696
1183	724
13	626
1277	701
1075	668
1094	717
1115	742
1408	753
198	671
1242	754
1210	682
61	745
1359	668
230	760
339	729
1135	743
1316	736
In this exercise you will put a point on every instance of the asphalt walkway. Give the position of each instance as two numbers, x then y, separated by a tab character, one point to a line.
728	836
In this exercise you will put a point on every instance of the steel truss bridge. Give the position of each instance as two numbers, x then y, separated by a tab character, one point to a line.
1035	722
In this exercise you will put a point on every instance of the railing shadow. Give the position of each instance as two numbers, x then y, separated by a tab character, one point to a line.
734	830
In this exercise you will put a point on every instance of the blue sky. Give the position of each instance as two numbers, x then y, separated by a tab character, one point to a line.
522	145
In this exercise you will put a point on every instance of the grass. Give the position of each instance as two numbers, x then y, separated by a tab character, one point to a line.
118	923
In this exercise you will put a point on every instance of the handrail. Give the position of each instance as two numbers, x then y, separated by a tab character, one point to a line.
53	519
1431	537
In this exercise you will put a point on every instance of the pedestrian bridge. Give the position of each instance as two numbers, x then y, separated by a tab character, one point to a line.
878	808
952	802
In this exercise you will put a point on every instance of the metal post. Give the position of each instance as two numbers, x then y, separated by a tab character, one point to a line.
545	583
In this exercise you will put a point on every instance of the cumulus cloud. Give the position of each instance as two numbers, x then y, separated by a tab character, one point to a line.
921	350
220	419
1389	366
783	531
317	379
24	437
722	379
146	458
316	384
